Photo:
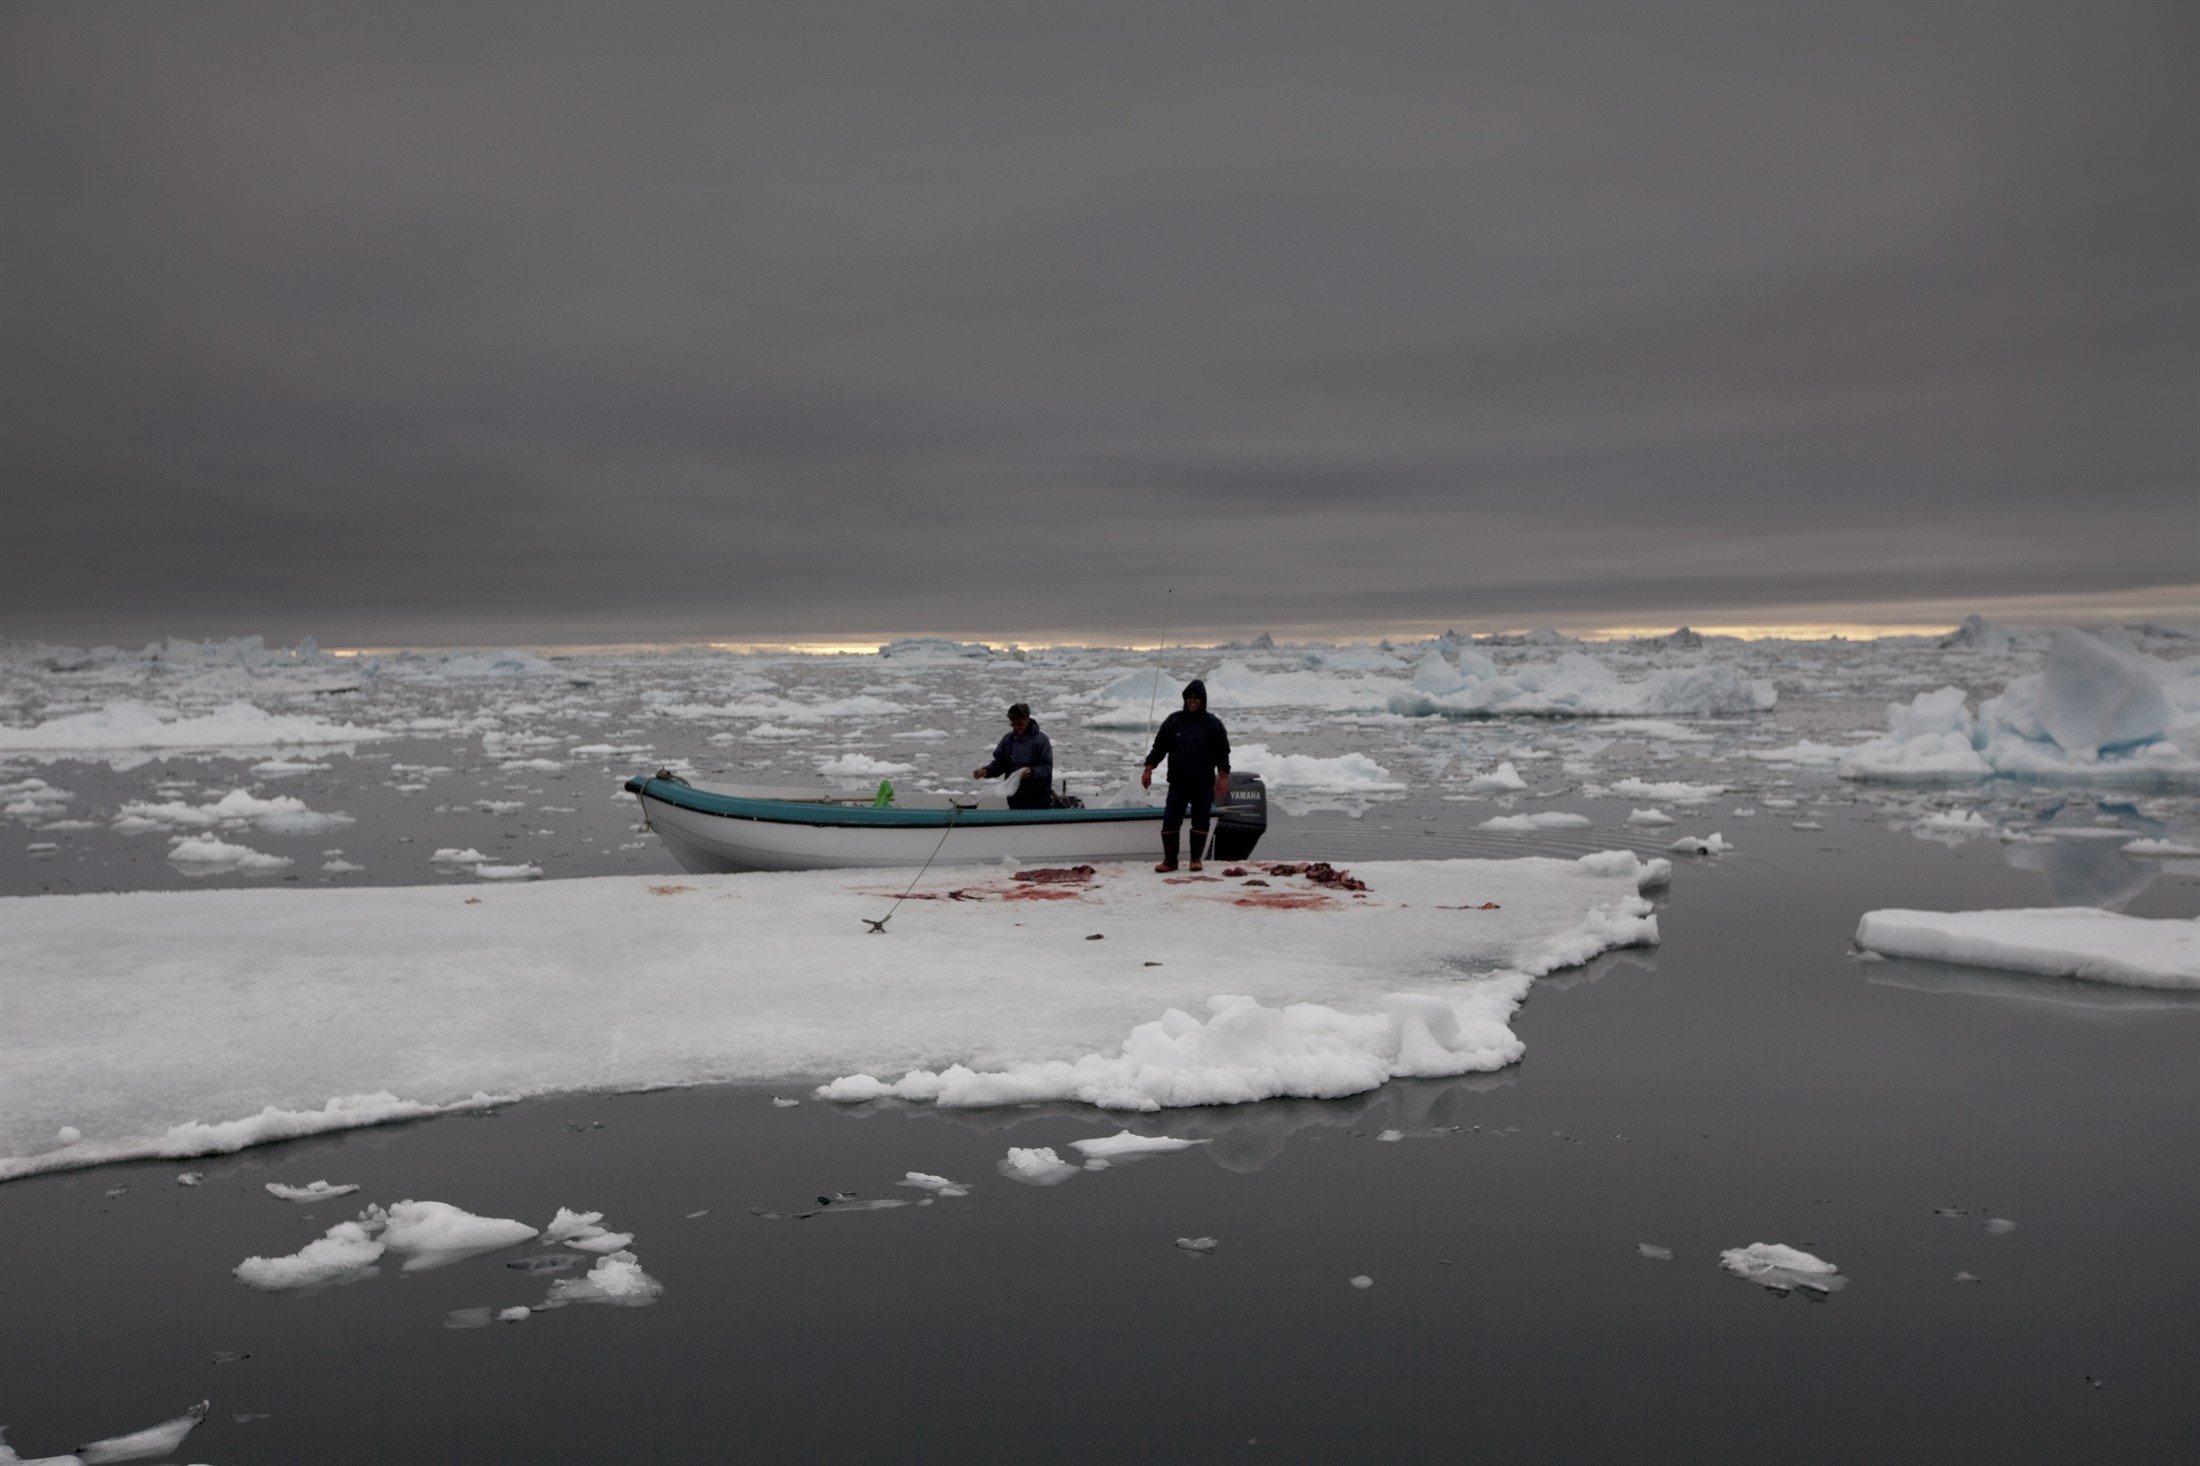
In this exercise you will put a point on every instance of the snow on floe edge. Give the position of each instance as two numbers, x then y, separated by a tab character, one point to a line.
197	1137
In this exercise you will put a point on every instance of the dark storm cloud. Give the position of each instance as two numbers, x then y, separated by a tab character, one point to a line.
576	323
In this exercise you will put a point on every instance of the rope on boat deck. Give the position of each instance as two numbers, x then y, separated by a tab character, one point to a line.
878	928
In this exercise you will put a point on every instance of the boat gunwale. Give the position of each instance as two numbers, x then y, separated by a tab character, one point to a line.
791	812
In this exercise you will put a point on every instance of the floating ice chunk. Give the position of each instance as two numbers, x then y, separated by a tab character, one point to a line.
569	1223
617	1280
1503	779
939	1185
2159	848
509	872
1351	773
1673	791
145	1445
1522	824
1035	1166
515	1314
203	852
68	1135
190	1178
1961	822
1782	1268
2057	941
311	1191
1654	1251
1802	754
1649	817
1123	1143
468	1318
283	768
435	1234
282	815
1999	1226
1711	844
1199	1246
339	867
450	855
1363	1281
858	765
346	1251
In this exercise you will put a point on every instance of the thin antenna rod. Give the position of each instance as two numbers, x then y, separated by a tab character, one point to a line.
1153	689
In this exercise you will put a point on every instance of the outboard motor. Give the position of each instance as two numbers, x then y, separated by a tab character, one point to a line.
1241	819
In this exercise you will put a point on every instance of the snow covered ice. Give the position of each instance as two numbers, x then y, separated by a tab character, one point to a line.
1782	1269
519	983
2060	941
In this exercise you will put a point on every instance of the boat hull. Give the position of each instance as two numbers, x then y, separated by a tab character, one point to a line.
706	840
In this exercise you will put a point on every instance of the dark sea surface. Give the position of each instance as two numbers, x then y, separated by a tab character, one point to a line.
1749	1080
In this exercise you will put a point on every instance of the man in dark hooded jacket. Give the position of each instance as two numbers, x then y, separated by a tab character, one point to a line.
1197	747
1024	747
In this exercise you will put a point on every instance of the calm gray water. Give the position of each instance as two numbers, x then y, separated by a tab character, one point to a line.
1746	1081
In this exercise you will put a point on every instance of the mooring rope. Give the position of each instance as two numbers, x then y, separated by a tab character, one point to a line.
878	928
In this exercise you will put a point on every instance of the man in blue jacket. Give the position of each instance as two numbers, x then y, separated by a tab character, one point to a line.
1197	747
1024	747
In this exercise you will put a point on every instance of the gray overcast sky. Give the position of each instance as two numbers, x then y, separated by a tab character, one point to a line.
755	322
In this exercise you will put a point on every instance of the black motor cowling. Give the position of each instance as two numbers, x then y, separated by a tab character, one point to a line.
1241	819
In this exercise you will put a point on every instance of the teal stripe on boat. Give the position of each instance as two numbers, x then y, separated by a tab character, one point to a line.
788	812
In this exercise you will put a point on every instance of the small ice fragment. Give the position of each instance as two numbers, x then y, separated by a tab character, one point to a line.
1363	1281
311	1191
466	1318
345	1252
68	1135
617	1279
1098	1163
231	1356
1950	1211
1123	1143
1968	1278
145	1445
114	1191
569	1223
691	1216
1391	1135
1782	1268
190	1178
434	1234
1651	1249
1035	1166
924	1181
514	1314
1649	817
2000	1226
1711	844
605	1242
1200	1245
779	1103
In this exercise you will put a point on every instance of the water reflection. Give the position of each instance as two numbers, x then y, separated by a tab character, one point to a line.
2062	992
2085	872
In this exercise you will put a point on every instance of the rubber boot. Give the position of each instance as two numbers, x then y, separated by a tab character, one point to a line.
1199	848
1168	851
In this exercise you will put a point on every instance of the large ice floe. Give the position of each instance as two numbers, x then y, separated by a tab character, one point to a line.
1575	685
129	724
2097	713
220	1019
2054	941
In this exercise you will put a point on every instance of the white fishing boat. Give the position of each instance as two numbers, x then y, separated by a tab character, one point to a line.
733	827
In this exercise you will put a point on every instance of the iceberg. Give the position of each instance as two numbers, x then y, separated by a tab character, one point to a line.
2096	714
